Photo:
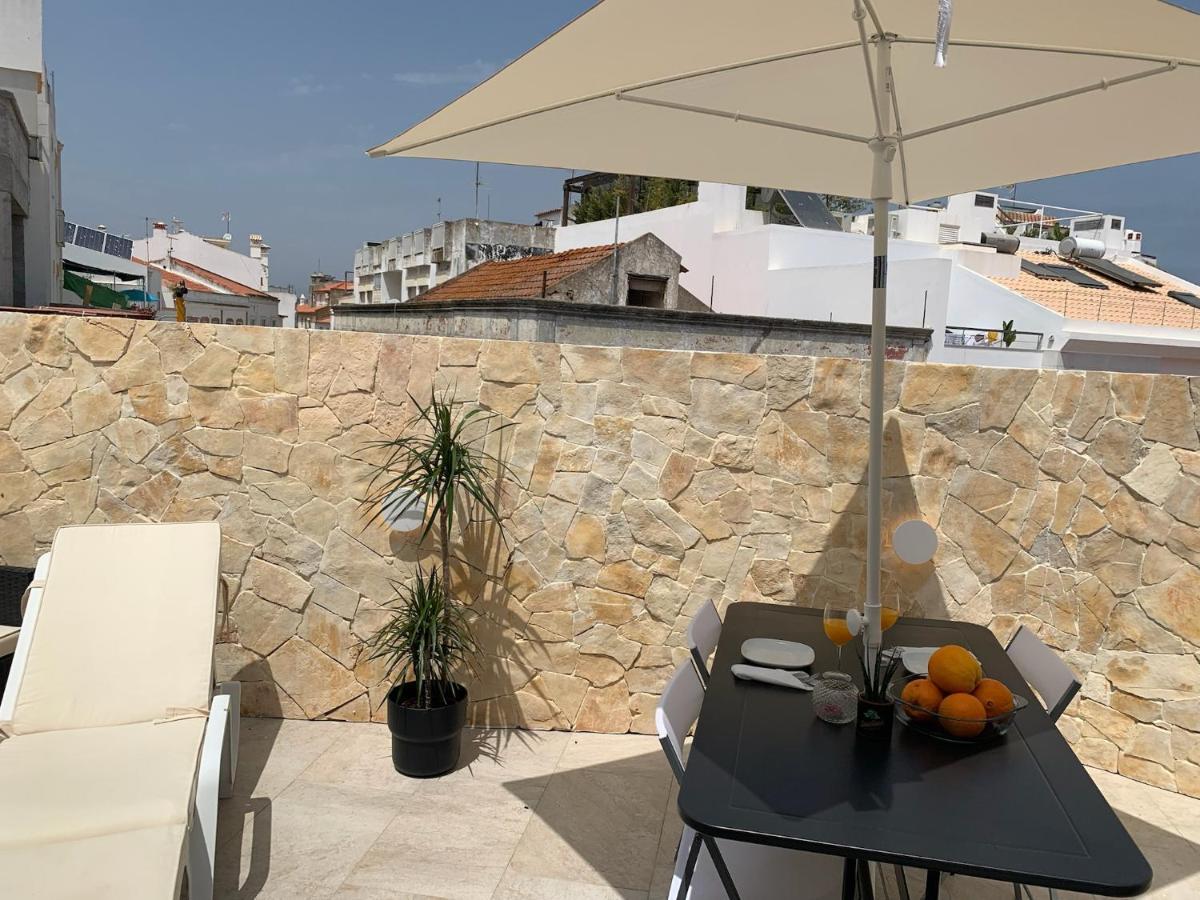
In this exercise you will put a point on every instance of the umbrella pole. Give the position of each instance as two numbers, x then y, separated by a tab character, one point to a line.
883	149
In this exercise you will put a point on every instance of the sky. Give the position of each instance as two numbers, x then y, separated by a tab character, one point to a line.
265	110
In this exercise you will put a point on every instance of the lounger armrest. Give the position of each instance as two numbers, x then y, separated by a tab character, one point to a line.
229	753
202	835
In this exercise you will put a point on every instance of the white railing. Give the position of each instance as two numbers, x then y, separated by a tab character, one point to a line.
992	339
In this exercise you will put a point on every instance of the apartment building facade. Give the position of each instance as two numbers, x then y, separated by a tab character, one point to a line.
408	265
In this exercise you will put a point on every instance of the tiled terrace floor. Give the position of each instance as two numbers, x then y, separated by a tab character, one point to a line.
319	813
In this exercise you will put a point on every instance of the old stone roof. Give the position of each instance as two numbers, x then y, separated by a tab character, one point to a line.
1118	303
518	278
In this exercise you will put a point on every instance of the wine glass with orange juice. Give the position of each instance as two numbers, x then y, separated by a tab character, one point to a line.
889	612
837	626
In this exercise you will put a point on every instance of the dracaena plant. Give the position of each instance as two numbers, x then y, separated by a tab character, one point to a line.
438	461
878	676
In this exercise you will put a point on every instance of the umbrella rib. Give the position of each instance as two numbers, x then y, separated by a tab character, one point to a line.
1042	101
743	117
859	15
1047	48
900	136
619	92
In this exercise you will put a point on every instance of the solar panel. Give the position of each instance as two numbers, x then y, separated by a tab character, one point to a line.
118	246
810	210
1185	297
68	232
90	238
1074	276
1039	270
1119	274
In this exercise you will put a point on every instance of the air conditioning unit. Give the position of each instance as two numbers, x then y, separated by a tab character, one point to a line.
947	234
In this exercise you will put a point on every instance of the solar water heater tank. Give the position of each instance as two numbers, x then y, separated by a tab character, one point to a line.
1081	248
1004	243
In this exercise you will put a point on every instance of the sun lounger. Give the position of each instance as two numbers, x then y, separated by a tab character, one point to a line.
116	747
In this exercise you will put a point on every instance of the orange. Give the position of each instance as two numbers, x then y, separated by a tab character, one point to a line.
954	669
966	715
995	697
921	698
887	618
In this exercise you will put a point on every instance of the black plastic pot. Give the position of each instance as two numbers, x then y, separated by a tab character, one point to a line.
875	719
425	742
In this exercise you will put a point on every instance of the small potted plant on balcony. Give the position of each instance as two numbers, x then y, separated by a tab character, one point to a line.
437	469
875	709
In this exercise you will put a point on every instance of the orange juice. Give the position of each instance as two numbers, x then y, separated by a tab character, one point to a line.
838	631
887	618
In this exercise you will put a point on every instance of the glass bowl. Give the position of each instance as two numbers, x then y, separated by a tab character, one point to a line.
935	725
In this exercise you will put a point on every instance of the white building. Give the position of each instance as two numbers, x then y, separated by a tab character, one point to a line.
31	218
397	270
941	276
166	245
223	286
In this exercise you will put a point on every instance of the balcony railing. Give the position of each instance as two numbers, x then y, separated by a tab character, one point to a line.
992	339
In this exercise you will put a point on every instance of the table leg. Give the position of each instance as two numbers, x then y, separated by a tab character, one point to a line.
865	891
849	879
932	881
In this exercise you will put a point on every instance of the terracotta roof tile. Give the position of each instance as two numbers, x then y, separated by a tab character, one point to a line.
518	278
1117	304
227	284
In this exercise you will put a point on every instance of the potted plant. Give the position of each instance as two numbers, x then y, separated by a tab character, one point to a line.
438	466
876	711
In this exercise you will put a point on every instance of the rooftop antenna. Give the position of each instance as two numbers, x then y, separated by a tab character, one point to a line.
478	185
177	223
225	217
439	213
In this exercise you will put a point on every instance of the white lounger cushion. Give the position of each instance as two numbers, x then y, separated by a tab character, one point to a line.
68	785
130	865
8	639
125	628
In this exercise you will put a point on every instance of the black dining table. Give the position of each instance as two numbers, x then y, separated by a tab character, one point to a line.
1020	808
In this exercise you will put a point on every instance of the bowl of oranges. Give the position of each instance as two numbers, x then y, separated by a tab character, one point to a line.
955	702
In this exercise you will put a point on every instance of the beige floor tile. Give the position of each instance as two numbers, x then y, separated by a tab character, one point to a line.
660	882
508	755
360	757
448	840
597	827
273	752
518	886
302	843
615	754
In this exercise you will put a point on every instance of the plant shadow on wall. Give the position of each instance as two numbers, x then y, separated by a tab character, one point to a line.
445	626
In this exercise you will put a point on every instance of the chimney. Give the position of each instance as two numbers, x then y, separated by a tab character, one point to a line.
259	250
160	226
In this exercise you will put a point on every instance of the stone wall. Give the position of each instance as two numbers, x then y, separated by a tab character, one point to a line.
651	481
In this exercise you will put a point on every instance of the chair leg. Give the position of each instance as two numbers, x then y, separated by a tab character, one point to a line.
1016	891
722	869
901	882
689	867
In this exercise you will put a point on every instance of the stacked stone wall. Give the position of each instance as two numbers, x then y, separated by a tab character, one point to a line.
650	481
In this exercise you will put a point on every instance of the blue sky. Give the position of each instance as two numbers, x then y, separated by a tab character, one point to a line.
265	110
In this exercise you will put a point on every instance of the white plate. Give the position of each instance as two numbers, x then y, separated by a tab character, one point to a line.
777	654
916	659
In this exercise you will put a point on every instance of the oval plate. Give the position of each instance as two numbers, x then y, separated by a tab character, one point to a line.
776	654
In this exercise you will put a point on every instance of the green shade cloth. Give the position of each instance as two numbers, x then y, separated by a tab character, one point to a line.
94	294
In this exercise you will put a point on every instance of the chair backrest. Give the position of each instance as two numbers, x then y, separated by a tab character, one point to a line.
1040	666
703	632
678	709
123	629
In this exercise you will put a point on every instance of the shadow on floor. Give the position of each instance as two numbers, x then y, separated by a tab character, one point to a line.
597	822
243	809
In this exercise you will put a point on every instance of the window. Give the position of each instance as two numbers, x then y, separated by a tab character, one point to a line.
191	318
646	291
239	321
986	201
1093	224
1117	224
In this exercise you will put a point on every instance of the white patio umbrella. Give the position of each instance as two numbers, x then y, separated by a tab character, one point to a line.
842	97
